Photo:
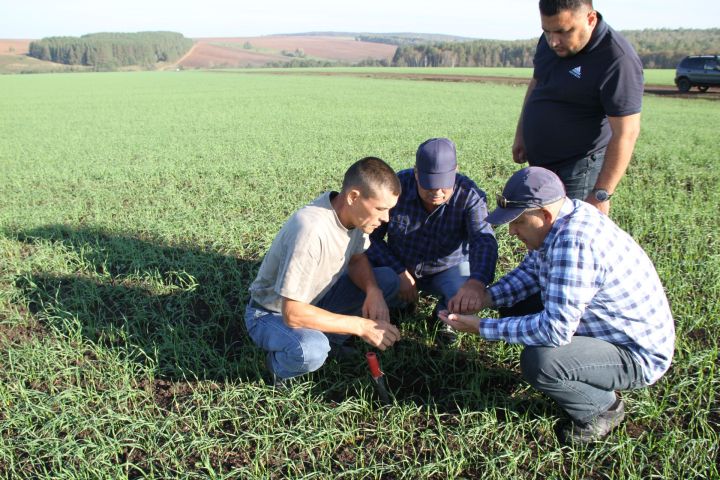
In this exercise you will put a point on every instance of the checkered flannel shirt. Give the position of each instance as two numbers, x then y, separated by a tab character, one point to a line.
595	281
428	243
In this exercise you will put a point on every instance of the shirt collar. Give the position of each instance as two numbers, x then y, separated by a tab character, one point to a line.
598	34
567	208
325	201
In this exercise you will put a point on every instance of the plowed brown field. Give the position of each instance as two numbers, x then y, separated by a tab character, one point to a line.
14	46
229	52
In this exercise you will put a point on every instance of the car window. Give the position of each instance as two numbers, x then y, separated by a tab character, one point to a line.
711	65
692	62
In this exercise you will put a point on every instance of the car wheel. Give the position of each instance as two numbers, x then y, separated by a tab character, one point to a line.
683	85
704	88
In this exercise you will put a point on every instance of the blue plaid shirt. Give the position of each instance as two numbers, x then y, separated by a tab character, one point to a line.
595	281
428	243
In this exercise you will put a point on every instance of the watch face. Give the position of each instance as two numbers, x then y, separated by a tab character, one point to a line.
601	195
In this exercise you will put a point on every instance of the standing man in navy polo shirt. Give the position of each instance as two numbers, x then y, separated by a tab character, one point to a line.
437	239
581	115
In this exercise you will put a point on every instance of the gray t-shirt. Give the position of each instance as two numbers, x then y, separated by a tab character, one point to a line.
309	254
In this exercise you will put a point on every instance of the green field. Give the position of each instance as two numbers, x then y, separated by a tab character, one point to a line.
135	209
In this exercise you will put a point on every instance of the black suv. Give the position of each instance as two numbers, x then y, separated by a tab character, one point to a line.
701	71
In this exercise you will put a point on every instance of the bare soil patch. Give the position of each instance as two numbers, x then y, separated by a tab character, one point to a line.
14	46
660	90
16	334
207	55
229	52
668	91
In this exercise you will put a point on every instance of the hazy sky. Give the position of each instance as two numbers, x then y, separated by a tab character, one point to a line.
497	19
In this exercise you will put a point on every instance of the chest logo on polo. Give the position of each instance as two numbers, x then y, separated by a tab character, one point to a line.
576	72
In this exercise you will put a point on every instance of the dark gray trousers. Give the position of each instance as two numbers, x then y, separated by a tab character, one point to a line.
579	177
582	376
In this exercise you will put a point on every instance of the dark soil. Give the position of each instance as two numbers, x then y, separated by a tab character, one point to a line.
20	333
660	90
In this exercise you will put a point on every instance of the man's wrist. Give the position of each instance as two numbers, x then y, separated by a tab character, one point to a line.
372	290
601	194
475	282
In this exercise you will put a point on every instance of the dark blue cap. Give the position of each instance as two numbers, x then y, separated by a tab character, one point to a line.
436	163
531	187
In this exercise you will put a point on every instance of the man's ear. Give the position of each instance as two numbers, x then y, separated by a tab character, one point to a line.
352	195
547	215
592	18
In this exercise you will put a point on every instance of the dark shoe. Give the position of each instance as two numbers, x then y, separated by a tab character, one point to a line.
596	429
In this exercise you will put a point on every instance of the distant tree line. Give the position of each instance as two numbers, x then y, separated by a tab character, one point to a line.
479	53
106	51
304	63
658	48
665	48
408	38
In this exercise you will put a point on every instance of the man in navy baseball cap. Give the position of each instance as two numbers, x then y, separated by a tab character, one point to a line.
603	322
436	164
436	239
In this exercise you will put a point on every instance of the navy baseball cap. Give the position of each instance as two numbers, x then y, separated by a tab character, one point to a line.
436	163
531	187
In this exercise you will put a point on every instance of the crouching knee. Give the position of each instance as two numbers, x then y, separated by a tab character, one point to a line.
388	281
307	355
315	357
538	366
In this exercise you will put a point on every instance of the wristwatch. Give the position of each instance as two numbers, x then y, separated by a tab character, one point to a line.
601	195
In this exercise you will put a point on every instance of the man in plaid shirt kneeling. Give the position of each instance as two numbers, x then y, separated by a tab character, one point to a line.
605	323
436	239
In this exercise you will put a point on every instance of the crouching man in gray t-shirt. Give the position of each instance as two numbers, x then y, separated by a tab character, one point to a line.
316	287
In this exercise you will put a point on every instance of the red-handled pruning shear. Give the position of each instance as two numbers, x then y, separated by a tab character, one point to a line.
378	376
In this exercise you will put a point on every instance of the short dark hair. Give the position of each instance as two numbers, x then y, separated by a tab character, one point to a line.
549	8
369	175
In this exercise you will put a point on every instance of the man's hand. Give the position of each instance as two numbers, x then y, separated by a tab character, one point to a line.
374	306
604	207
469	298
379	334
518	150
461	323
408	289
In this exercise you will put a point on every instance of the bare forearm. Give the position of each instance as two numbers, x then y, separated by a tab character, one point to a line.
619	152
361	273
303	315
378	333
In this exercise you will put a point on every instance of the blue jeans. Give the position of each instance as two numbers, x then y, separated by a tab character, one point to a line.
579	177
582	376
296	351
446	283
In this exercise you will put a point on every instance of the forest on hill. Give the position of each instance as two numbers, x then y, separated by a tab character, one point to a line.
658	48
107	51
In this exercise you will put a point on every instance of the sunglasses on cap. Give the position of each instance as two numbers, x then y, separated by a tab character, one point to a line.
503	202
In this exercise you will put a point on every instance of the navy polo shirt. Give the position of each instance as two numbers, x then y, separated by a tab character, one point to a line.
565	116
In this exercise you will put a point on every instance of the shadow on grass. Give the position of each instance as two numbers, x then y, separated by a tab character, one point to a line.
446	379
183	308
